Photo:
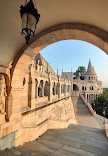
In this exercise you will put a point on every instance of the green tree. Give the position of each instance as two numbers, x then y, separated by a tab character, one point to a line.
101	104
80	72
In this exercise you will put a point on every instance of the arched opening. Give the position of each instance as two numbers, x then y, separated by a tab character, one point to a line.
91	88
40	89
54	88
57	88
46	88
18	76
75	87
60	32
82	87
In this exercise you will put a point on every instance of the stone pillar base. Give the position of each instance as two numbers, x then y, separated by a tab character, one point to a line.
2	118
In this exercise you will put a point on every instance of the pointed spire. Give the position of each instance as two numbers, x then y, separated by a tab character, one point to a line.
90	69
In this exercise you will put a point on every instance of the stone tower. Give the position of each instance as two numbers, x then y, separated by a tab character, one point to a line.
90	75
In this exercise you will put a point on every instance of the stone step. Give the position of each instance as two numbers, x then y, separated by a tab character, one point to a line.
36	147
76	136
68	148
77	140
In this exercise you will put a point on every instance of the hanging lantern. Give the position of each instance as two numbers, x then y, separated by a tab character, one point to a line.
30	18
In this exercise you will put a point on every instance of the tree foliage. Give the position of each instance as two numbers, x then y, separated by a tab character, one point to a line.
80	72
101	104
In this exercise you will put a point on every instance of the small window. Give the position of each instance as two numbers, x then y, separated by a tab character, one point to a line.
82	87
24	81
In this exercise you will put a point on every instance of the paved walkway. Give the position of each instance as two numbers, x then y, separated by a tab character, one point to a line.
83	115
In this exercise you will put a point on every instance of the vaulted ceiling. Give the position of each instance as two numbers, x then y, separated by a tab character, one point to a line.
53	12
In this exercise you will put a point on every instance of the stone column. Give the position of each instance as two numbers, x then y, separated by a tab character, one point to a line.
50	92
50	88
16	101
33	93
88	98
2	97
43	89
59	90
2	106
36	89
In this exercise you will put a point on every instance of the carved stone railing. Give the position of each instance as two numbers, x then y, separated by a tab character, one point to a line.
103	119
88	105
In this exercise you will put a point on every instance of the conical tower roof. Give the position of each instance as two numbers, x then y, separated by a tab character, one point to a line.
90	69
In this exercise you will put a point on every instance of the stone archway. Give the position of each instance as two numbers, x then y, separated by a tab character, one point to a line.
75	87
56	33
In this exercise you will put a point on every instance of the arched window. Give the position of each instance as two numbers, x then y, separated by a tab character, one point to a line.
87	97
82	87
57	89
46	88
40	88
91	88
63	88
85	88
89	77
75	87
24	82
53	89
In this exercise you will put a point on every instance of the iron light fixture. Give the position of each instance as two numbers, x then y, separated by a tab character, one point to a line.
30	18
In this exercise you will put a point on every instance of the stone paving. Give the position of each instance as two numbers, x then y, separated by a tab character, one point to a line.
84	116
84	139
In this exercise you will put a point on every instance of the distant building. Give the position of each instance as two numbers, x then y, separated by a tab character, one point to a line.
90	87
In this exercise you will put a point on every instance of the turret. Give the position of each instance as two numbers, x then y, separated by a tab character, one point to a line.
90	74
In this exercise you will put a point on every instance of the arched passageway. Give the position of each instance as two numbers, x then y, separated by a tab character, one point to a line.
75	87
56	33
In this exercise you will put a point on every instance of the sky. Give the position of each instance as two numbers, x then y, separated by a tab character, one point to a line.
70	54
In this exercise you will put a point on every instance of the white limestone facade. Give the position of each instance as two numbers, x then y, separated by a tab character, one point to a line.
90	87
